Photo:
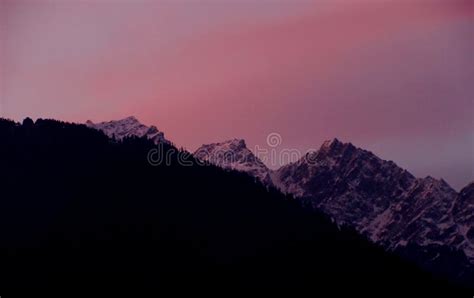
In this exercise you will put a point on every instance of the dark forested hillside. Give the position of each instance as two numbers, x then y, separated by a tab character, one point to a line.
79	209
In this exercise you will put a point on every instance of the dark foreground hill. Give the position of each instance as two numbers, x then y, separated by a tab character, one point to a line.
78	209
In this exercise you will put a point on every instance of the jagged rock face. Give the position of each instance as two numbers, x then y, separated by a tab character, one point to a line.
350	184
358	189
463	214
127	127
423	216
234	154
380	199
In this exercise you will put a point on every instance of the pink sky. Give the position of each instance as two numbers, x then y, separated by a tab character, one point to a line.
394	77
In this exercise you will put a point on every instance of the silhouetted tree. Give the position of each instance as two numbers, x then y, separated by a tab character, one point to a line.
77	209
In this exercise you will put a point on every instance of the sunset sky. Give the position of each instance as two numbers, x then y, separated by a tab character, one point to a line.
394	77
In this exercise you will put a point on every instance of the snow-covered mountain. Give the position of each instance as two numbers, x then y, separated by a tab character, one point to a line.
352	185
127	127
234	154
380	199
358	189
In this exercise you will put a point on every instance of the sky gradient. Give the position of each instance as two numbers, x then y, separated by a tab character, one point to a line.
394	77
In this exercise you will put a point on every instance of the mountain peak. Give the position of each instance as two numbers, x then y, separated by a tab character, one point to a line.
127	127
228	145
334	145
131	119
441	183
331	142
333	150
238	143
234	154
